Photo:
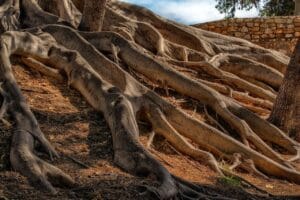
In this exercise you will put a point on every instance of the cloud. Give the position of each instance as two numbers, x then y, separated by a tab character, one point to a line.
188	11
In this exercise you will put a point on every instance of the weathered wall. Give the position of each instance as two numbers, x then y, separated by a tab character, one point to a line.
280	33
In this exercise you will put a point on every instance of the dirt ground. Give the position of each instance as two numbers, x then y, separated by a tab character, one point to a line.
84	142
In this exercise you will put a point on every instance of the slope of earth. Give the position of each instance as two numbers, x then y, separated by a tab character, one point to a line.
84	142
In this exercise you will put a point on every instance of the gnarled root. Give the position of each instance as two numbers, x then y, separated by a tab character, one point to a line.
22	157
61	51
229	110
162	126
207	137
40	173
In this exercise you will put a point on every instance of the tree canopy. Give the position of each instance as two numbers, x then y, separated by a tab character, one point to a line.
266	7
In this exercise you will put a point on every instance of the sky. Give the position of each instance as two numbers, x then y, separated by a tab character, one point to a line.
188	11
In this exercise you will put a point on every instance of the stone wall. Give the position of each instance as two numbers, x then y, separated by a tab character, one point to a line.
280	33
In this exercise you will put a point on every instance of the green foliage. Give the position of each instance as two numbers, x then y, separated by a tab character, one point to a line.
277	8
230	181
229	7
269	7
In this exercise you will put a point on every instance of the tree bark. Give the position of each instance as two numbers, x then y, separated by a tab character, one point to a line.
93	15
297	7
286	110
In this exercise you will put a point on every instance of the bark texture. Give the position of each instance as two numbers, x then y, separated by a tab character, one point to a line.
297	7
93	15
286	110
118	70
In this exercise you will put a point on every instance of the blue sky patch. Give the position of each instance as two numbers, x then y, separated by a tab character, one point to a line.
188	11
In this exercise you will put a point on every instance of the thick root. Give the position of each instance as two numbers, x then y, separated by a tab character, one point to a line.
40	173
22	157
229	78
197	39
163	127
63	52
10	13
207	137
248	68
225	108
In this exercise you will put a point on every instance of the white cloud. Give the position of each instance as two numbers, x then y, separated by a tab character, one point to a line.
189	11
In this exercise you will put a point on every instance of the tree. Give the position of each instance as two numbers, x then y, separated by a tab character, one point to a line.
286	110
297	7
269	8
93	15
229	7
113	71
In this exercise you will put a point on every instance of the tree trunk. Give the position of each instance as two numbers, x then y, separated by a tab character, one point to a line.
286	110
93	15
297	7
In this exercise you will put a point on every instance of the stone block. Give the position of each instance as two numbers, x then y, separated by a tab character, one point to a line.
232	29
244	29
268	31
269	20
254	29
272	35
288	30
264	25
238	34
297	34
247	37
250	24
280	25
279	20
297	20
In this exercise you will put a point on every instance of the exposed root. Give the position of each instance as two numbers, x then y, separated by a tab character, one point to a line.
5	104
239	96
200	40
250	167
248	68
9	16
43	69
150	140
296	157
236	161
77	162
225	108
163	127
212	120
207	137
229	78
40	173
22	155
154	48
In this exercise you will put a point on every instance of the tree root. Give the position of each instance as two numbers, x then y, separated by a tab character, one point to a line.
229	78
225	108
22	155
10	13
239	96
163	127
200	40
181	120
62	52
